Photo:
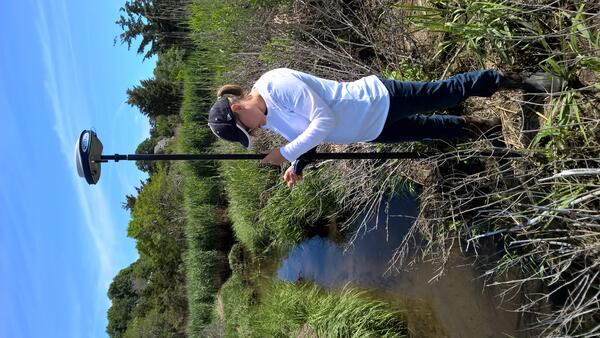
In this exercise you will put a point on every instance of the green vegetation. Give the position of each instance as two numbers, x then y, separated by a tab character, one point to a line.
264	212
285	310
247	184
185	215
288	308
160	24
289	214
149	295
239	307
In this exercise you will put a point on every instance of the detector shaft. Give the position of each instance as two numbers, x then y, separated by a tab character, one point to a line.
505	153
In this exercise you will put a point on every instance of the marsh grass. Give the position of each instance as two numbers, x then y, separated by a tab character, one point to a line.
265	213
284	310
206	267
546	226
200	269
239	307
247	186
292	214
206	228
345	313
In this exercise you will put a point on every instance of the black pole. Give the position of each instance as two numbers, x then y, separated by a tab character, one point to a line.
504	153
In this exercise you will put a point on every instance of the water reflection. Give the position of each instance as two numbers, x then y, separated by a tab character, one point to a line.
333	264
454	306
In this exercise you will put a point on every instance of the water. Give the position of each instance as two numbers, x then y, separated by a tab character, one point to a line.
455	305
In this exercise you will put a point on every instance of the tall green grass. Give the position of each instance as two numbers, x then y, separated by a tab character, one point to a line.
265	212
204	265
247	185
346	313
212	26
200	268
290	214
239	306
284	309
202	198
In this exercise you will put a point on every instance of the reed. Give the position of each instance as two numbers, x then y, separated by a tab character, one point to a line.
265	213
247	186
285	310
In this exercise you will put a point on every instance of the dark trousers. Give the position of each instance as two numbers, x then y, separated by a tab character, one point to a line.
410	100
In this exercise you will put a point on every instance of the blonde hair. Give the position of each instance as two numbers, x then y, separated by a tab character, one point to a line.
236	91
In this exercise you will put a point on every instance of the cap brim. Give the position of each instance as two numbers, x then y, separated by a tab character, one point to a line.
244	138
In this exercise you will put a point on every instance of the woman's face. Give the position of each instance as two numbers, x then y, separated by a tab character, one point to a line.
249	113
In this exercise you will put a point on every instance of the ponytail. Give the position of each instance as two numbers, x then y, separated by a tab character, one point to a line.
231	89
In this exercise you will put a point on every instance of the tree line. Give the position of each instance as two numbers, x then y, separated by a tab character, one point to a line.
149	297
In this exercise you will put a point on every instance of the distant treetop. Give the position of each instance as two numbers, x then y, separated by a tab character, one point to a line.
161	24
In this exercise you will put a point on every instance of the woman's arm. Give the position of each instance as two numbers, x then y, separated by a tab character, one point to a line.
304	101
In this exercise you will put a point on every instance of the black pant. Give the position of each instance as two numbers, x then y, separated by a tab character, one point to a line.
409	100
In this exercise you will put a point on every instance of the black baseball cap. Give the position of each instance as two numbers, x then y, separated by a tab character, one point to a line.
221	121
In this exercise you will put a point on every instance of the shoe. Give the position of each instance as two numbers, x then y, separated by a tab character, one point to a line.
534	83
479	127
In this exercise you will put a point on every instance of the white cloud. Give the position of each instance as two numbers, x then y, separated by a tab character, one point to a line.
71	111
74	107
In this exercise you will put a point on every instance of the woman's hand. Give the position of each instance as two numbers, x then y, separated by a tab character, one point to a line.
290	178
273	158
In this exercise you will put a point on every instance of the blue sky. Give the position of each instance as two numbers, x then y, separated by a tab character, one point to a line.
61	240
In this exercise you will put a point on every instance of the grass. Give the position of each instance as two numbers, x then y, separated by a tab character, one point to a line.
206	266
246	184
203	263
285	309
547	230
345	313
476	26
291	213
515	34
202	199
200	269
212	25
267	214
239	307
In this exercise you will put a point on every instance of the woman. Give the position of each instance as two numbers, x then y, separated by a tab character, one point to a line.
307	110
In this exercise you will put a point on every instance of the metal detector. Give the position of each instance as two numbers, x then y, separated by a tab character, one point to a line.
88	156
